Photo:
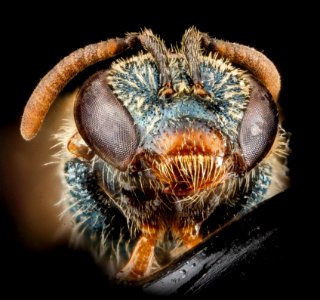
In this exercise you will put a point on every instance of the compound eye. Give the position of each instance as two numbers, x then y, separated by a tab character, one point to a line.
104	123
259	124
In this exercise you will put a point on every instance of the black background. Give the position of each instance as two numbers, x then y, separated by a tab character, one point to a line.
33	39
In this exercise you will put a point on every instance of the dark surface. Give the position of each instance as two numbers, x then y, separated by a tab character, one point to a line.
231	258
282	249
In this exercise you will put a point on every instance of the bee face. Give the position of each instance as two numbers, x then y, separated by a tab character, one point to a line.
165	137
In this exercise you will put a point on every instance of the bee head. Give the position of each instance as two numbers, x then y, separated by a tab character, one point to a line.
194	116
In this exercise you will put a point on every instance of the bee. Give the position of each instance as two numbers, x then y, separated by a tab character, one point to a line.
163	143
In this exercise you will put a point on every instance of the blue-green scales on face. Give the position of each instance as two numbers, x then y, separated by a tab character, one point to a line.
162	140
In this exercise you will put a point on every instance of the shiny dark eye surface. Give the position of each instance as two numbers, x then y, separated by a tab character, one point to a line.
259	125
104	124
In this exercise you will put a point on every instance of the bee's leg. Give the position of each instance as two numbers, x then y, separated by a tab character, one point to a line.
77	147
190	236
141	258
